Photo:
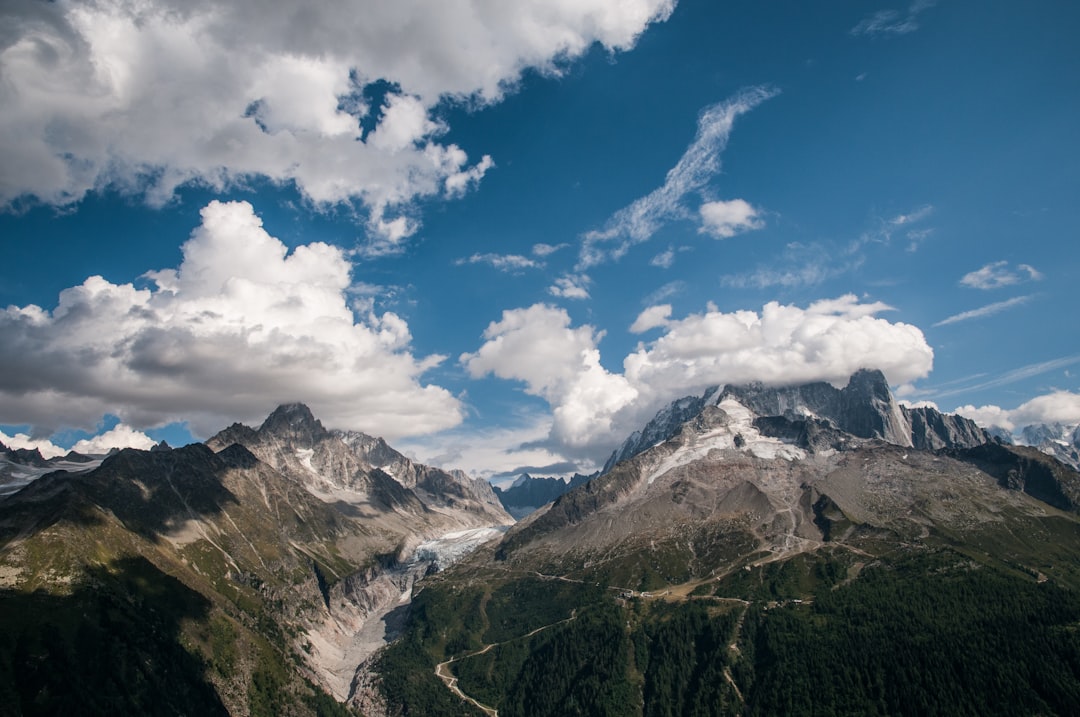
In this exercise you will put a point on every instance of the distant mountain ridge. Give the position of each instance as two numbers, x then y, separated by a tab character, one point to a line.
864	408
527	493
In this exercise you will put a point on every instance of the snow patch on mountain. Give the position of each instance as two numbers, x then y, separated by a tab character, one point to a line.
736	433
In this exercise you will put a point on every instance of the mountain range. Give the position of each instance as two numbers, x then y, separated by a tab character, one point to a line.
772	550
251	574
802	549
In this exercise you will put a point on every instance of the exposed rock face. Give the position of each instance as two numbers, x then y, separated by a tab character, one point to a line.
529	493
772	473
864	408
310	538
663	426
357	468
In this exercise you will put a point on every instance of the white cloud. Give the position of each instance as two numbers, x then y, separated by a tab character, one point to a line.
726	219
988	310
893	22
571	286
1055	407
594	409
543	250
145	97
827	341
987	416
637	222
240	326
998	274
488	452
916	215
502	262
885	227
560	364
664	259
919	404
651	318
119	436
47	448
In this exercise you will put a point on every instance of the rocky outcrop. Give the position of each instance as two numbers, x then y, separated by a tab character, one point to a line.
932	430
663	426
351	466
865	408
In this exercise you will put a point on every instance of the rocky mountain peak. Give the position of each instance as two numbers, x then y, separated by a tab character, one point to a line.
293	422
864	408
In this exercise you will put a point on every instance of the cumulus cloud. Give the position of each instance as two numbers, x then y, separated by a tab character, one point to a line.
651	318
146	97
988	310
987	416
998	274
119	436
637	222
560	364
827	341
594	408
47	448
240	326
726	219
1055	407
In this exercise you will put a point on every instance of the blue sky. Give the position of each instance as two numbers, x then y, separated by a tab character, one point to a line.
503	240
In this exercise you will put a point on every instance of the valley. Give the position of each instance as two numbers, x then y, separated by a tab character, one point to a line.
753	551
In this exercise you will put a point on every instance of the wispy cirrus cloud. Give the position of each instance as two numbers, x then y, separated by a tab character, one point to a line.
999	274
637	222
984	311
799	265
502	262
886	23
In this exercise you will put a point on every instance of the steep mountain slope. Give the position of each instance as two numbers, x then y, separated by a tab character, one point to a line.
197	573
527	493
218	579
864	408
682	579
364	471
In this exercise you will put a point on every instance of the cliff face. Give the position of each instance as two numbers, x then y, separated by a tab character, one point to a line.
864	408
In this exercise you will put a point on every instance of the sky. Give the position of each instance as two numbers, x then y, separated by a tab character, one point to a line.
503	237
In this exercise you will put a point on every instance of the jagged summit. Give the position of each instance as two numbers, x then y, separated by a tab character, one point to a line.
293	421
353	466
864	408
